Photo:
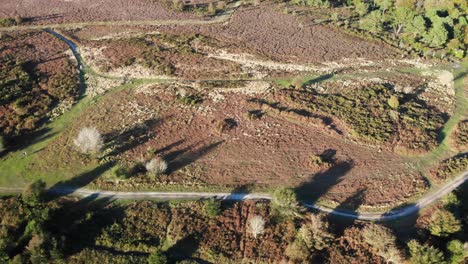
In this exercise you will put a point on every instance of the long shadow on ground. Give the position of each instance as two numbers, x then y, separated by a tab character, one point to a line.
350	204
67	187
181	158
322	182
139	134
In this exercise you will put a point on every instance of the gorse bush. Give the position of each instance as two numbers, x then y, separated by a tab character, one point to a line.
89	140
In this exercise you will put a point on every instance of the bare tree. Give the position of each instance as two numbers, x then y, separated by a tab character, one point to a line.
156	166
256	225
89	140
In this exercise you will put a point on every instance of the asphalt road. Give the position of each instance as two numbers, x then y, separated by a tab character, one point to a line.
424	201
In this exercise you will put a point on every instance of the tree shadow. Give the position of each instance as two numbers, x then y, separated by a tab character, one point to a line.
170	146
404	226
181	158
64	188
23	141
184	249
240	192
43	18
82	221
349	205
319	79
321	182
139	134
326	120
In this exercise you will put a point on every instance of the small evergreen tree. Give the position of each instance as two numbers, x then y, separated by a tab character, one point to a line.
157	257
423	254
443	223
458	251
372	22
437	35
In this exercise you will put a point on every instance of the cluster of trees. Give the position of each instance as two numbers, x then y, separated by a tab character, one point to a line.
421	25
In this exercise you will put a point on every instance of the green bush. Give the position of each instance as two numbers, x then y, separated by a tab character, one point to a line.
7	22
157	257
212	207
375	112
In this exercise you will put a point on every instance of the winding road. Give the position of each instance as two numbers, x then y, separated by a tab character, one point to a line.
423	202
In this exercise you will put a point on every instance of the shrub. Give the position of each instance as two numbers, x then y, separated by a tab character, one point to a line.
212	207
7	22
211	9
226	124
121	172
156	166
191	99
393	102
317	160
451	166
256	226
89	140
315	234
